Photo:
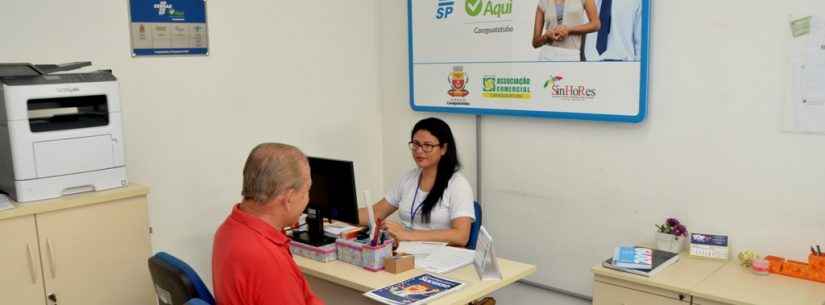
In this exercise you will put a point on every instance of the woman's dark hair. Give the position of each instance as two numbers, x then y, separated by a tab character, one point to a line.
447	166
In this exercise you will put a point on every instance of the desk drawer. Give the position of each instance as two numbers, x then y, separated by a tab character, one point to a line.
609	294
699	301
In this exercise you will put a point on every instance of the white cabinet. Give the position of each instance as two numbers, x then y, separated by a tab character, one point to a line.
87	249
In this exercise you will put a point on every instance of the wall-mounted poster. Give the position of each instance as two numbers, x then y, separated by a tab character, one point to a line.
168	27
574	59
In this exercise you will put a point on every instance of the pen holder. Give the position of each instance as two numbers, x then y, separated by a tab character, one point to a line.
374	255
814	270
399	263
363	255
325	253
817	262
817	268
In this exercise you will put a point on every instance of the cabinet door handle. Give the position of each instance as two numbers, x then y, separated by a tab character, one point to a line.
30	258
52	266
52	298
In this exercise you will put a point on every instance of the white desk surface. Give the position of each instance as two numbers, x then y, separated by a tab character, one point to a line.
362	280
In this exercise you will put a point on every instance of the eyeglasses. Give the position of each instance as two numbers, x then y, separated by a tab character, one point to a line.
426	147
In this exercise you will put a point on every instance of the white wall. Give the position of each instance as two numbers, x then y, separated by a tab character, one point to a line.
398	117
305	73
561	194
300	72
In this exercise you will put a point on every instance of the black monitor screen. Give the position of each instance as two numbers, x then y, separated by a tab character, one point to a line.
333	189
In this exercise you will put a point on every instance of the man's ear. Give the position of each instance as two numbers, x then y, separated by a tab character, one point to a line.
286	197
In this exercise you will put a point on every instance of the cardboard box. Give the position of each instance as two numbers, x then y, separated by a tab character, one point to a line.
399	263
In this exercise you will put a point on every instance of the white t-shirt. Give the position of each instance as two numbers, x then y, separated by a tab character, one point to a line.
456	202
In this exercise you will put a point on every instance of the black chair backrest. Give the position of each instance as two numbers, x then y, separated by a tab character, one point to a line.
171	284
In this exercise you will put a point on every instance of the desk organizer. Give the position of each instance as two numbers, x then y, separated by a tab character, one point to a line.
363	255
325	253
813	270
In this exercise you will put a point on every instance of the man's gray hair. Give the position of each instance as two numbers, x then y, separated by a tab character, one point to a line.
271	169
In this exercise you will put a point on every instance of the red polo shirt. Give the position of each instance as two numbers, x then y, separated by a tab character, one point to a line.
252	265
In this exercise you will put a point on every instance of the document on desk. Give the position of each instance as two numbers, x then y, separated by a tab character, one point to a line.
419	248
446	259
437	256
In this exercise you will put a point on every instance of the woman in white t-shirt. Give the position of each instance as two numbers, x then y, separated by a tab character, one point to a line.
434	200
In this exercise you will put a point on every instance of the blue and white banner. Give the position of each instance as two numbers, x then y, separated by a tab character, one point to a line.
168	27
575	59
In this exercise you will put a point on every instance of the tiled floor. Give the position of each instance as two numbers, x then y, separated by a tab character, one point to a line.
521	294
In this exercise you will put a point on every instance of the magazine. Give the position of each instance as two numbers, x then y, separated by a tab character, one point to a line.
633	257
421	289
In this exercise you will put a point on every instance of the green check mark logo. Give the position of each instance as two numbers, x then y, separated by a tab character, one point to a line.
473	7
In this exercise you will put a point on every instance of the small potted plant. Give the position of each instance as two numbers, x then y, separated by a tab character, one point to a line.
671	235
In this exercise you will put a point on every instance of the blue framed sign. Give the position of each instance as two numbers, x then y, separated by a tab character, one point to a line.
570	59
168	27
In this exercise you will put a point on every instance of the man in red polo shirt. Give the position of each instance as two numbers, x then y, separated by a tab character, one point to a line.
251	262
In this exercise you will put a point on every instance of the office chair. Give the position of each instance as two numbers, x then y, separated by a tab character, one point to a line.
176	282
471	243
196	302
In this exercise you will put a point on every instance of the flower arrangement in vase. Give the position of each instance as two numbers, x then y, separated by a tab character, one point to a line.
671	235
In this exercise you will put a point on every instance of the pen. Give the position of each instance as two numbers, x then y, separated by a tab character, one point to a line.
819	250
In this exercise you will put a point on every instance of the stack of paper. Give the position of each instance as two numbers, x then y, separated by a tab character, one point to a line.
420	249
437	256
335	229
447	259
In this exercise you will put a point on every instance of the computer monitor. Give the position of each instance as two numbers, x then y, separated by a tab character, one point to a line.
331	196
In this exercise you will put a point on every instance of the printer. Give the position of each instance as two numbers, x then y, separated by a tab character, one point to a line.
60	133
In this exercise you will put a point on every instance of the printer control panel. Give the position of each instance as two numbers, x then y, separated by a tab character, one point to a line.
58	79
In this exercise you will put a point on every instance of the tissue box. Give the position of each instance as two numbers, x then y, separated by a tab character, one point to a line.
325	253
363	255
399	263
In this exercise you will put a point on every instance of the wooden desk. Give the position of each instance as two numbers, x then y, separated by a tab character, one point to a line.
88	248
733	284
341	283
703	282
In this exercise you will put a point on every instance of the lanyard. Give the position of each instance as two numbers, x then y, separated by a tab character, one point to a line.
413	212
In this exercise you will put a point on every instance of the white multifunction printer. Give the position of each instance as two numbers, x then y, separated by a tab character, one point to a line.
60	133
